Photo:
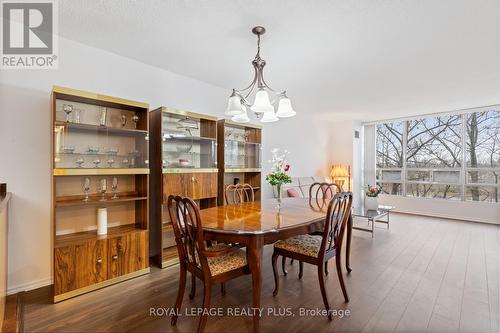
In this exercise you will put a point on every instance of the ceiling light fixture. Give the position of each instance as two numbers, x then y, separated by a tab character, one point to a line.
262	106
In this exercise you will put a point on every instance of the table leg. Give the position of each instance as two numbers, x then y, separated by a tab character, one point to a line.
388	220
348	244
373	226
254	257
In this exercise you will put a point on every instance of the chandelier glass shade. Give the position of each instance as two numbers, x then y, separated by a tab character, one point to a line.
262	105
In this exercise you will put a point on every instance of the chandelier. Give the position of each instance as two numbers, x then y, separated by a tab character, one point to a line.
262	106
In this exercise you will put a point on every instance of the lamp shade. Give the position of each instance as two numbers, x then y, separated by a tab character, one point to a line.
339	171
261	103
269	117
285	109
234	106
242	117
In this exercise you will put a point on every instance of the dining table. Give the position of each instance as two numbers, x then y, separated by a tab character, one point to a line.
258	223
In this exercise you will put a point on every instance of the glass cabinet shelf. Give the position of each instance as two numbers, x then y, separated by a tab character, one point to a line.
100	128
241	155
188	142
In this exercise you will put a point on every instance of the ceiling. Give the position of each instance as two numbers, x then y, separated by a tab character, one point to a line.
360	59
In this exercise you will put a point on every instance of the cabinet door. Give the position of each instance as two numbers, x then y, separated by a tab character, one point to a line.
80	265
203	185
127	254
176	184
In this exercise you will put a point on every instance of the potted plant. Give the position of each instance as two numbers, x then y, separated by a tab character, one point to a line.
371	196
278	175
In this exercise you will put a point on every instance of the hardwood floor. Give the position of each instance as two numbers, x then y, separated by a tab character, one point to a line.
423	274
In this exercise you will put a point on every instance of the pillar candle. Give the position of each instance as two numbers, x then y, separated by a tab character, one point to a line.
102	221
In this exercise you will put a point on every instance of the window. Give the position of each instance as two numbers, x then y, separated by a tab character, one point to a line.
390	157
482	151
455	157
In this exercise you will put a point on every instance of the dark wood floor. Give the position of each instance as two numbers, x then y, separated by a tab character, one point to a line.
423	274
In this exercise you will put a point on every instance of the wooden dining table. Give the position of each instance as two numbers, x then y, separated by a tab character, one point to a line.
255	224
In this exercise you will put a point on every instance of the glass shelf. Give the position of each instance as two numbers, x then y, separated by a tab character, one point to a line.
98	128
242	155
187	142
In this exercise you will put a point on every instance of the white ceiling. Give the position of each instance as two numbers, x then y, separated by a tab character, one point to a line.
362	59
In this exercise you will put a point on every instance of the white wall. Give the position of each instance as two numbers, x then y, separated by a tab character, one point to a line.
348	150
25	138
308	140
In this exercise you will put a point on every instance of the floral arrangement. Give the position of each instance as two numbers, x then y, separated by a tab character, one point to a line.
373	191
279	168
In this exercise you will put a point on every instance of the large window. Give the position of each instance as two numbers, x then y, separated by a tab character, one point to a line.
454	157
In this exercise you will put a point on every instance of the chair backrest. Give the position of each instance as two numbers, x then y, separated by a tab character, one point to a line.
321	193
186	222
236	194
339	211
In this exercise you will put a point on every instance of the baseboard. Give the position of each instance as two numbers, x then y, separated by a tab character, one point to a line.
29	286
445	216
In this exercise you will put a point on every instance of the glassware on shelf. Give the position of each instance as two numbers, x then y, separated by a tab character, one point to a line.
135	119
110	162
76	117
114	188
112	151
123	118
86	188
102	116
68	149
96	162
67	108
92	150
79	162
126	162
103	187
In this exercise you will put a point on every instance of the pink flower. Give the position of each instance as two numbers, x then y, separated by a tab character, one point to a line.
373	190
287	167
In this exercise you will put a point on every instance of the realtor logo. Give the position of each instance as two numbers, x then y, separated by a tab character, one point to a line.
29	34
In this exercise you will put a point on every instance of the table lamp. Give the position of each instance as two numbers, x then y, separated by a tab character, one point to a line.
341	175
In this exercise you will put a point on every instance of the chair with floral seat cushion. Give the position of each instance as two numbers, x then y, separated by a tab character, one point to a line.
317	250
212	264
320	194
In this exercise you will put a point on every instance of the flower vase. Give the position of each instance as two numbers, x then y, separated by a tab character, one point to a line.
278	195
371	203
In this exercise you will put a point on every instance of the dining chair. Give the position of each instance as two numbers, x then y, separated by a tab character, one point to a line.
236	194
317	250
212	264
320	194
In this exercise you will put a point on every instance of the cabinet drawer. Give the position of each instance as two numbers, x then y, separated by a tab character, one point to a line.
127	254
80	265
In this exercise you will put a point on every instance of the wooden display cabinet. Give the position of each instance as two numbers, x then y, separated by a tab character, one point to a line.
96	138
239	154
183	149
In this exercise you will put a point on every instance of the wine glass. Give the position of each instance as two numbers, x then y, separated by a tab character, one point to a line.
96	162
76	117
79	161
125	162
86	188
135	119
124	119
110	162
114	187
67	108
102	117
103	187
